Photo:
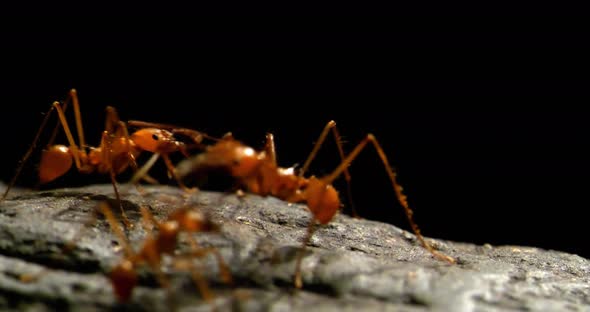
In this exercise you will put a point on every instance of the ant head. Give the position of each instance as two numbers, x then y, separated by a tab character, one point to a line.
191	220
168	232
155	140
124	278
322	200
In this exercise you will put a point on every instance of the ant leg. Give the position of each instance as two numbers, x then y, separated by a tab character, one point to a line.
111	124
130	255
62	119
118	196
402	198
147	219
73	97
331	125
76	103
104	208
114	128
75	149
224	270
148	222
124	132
196	276
196	136
148	124
28	153
172	171
57	127
186	261
269	148
105	146
122	127
142	173
301	253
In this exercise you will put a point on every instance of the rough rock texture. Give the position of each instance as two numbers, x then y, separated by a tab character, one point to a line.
350	264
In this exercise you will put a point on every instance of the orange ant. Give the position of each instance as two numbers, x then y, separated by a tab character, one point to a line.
124	276
117	150
259	173
196	136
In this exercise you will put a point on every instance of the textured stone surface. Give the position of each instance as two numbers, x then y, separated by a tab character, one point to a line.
350	264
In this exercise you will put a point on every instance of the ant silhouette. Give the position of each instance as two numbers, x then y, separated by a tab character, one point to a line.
117	150
124	275
257	172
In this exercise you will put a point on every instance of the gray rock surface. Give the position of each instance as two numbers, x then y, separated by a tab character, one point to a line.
350	264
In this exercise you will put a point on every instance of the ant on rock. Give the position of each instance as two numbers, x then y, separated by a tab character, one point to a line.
124	276
117	150
258	173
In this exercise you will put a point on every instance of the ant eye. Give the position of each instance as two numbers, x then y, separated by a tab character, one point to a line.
236	162
155	137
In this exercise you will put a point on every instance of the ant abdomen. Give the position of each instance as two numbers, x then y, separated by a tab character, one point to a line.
56	160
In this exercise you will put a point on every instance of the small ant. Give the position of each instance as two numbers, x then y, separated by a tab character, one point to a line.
124	276
117	150
258	173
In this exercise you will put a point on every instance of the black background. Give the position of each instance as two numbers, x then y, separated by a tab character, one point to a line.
482	114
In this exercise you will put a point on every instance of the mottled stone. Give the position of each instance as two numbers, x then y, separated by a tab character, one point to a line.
350	264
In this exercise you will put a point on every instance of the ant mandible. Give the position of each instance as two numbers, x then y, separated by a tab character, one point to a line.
117	150
258	173
185	219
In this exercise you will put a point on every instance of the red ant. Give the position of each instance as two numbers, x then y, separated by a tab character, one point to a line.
258	173
124	276
117	150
